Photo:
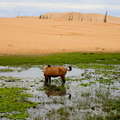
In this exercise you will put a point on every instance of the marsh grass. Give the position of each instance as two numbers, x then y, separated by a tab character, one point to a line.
85	94
98	106
95	66
9	78
94	100
91	91
6	70
61	58
106	81
85	84
88	101
14	103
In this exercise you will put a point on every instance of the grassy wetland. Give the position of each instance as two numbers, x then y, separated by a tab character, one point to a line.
94	86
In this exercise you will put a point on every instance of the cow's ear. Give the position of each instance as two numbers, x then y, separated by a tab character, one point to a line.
49	65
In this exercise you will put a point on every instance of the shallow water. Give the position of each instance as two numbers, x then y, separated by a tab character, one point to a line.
33	79
35	72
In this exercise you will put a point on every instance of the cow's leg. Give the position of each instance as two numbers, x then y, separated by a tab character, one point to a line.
46	79
49	80
63	78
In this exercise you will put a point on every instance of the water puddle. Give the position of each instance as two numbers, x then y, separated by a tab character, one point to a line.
84	85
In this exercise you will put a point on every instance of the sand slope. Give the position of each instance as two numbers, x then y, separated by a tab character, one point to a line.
75	16
39	36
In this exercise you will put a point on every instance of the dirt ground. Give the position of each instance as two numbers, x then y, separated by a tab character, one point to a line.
29	35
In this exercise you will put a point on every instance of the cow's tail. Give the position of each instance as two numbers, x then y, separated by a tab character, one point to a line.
70	68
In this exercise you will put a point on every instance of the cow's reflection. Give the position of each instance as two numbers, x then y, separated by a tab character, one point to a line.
53	90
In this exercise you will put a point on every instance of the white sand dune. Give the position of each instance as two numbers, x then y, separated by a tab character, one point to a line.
30	35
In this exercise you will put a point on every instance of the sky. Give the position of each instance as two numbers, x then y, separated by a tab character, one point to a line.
14	8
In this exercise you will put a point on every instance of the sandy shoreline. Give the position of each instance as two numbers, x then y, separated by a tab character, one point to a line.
25	36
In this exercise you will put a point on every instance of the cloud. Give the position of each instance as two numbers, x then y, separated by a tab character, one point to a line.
36	7
93	2
57	5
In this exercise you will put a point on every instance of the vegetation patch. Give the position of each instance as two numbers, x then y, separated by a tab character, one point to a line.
94	89
61	58
9	78
106	72
115	88
112	105
62	113
87	108
85	84
87	94
106	81
6	70
14	102
95	66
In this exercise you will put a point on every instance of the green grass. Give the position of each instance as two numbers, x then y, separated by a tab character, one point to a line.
9	78
14	103
106	81
6	70
61	58
112	105
85	84
62	113
95	66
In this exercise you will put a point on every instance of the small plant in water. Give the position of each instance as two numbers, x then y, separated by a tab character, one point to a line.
6	70
85	84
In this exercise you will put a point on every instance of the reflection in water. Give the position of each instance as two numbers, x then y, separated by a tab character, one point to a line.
53	90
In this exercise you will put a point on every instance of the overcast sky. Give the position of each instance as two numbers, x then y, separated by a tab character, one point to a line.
13	8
